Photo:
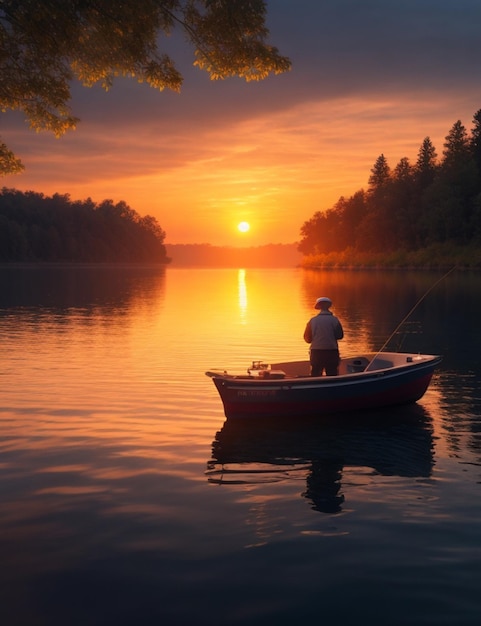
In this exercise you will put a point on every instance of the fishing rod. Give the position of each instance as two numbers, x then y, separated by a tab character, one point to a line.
410	313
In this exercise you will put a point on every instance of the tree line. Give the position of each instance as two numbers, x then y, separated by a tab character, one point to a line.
413	207
36	228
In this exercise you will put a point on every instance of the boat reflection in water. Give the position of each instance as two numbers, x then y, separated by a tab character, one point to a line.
394	442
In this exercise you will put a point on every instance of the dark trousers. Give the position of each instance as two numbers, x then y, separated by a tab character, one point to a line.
327	360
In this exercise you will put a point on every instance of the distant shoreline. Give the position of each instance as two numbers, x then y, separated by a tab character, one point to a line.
207	255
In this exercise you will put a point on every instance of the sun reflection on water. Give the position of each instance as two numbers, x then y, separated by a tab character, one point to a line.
241	278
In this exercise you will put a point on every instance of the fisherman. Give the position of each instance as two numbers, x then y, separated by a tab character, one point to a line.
322	332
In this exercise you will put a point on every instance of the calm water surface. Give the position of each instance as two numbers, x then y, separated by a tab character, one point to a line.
126	498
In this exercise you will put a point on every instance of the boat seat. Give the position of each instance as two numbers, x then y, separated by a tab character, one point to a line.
357	365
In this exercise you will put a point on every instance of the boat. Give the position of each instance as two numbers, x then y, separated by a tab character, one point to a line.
366	381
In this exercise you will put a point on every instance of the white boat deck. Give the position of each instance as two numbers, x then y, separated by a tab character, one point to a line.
368	362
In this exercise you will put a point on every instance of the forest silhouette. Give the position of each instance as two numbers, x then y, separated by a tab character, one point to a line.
35	228
427	213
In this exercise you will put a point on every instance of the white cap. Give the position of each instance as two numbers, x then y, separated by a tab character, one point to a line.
325	300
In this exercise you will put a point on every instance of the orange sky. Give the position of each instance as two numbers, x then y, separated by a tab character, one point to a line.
270	153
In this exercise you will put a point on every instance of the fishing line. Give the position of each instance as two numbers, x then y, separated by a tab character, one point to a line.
411	312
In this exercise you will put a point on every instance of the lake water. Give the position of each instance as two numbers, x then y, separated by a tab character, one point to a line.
126	497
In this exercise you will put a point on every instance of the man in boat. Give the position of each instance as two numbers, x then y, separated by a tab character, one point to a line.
322	332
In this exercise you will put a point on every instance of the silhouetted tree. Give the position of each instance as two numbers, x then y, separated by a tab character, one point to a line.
456	146
375	232
476	140
380	176
425	168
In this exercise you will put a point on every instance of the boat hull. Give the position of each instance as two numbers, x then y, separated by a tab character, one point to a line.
245	397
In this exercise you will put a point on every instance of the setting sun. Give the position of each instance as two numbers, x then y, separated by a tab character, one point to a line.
243	227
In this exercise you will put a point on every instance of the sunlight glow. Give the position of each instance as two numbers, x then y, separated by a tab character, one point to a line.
243	227
305	156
